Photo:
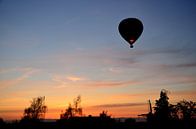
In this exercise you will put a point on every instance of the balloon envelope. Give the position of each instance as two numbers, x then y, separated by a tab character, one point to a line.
130	29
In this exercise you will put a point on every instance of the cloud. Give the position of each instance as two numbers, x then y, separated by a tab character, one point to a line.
74	78
158	51
64	81
110	83
10	111
18	69
119	105
59	79
183	65
25	73
115	70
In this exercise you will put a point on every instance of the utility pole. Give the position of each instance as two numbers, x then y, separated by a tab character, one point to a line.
150	107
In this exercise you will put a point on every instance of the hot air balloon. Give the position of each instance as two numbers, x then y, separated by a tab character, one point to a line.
130	29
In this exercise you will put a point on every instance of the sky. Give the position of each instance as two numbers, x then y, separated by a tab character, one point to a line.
64	48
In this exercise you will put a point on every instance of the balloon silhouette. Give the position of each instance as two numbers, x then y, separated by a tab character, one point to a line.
130	29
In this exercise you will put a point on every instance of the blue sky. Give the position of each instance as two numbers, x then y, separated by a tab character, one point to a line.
63	48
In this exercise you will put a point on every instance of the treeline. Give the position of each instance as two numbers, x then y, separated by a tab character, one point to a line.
164	111
166	115
162	115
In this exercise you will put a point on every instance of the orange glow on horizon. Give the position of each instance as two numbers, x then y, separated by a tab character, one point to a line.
55	113
12	108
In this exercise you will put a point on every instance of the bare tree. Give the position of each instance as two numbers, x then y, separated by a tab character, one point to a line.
36	110
77	104
74	110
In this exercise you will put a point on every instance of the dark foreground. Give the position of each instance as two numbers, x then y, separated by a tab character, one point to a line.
97	123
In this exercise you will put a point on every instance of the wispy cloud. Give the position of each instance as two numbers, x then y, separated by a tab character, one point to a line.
10	111
64	81
116	105
25	73
61	82
181	65
115	70
158	51
18	69
74	78
110	83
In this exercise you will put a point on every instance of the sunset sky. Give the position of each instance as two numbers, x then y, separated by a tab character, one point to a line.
64	48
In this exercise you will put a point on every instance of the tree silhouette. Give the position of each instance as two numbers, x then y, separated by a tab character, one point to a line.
187	109
165	111
162	108
77	105
73	111
104	114
173	112
1	121
36	110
